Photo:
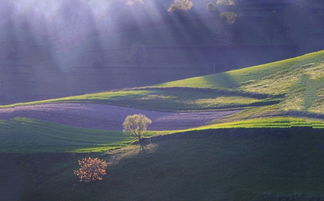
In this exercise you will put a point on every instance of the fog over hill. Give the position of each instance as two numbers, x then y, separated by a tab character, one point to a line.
53	48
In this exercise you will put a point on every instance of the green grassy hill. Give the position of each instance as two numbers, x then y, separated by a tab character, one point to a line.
268	95
271	150
292	87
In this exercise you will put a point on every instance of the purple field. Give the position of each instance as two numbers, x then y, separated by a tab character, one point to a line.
109	117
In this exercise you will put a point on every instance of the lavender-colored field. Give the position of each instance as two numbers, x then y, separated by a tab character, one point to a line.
98	116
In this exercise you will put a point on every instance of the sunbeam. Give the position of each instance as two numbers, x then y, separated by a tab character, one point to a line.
164	100
76	40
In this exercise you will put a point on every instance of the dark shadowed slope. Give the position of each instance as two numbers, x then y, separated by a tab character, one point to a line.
12	181
224	165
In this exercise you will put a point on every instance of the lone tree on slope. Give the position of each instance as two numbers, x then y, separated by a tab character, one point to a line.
136	125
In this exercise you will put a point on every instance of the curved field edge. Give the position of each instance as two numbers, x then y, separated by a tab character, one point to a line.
22	135
170	100
270	122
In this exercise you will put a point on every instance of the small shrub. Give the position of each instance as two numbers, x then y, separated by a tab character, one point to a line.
180	5
211	6
230	17
91	169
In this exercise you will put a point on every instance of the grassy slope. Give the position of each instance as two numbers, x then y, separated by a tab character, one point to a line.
21	135
226	164
272	122
160	99
236	162
262	91
260	79
27	135
299	80
290	86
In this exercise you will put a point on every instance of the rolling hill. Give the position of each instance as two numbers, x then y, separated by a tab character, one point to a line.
268	146
250	134
282	94
288	87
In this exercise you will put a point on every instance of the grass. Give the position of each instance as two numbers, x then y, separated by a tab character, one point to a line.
292	87
22	135
269	122
247	79
298	80
260	153
224	164
95	97
26	135
272	122
267	95
289	86
163	99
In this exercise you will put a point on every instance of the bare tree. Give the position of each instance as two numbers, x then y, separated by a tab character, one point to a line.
136	125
